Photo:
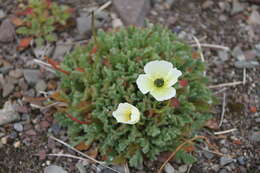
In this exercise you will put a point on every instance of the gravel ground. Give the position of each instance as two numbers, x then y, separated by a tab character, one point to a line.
24	141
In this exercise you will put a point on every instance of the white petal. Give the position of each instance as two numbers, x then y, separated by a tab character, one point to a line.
122	114
162	94
173	76
160	68
135	116
144	83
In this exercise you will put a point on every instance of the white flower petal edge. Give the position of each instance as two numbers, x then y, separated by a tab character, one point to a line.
163	93
158	67
144	83
127	114
173	76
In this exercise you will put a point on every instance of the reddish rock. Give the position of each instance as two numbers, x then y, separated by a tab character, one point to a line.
44	124
42	154
30	132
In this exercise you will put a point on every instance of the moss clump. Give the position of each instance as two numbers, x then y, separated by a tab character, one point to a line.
103	74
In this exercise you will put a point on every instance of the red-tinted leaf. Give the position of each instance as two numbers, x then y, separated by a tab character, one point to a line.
175	102
56	65
82	146
183	82
237	142
27	11
189	148
17	21
253	109
93	51
24	43
70	10
77	120
57	97
93	152
195	55
80	69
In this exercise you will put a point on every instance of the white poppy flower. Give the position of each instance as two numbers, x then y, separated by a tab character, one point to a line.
158	79
127	114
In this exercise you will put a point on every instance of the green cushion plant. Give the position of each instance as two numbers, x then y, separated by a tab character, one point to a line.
97	77
42	17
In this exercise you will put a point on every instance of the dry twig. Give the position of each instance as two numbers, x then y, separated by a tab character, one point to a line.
44	65
83	154
244	76
223	110
212	46
226	84
200	51
225	131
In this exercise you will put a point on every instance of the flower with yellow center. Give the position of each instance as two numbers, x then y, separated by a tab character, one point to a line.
158	79
127	114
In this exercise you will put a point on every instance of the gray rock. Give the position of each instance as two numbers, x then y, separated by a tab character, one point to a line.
254	137
61	50
224	150
225	160
17	73
250	54
223	55
257	46
257	120
246	64
81	167
5	70
55	128
254	18
7	114
241	160
170	2
2	14
32	76
54	169
207	4
18	127
13	135
223	171
238	54
7	31
8	87
132	12
84	24
208	155
116	167
224	6
237	7
169	168
182	168
41	86
117	23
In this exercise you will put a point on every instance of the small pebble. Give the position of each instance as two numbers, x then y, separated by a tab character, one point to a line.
13	135
169	168
225	160
208	155
4	140
182	168
241	160
18	127
224	150
17	144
